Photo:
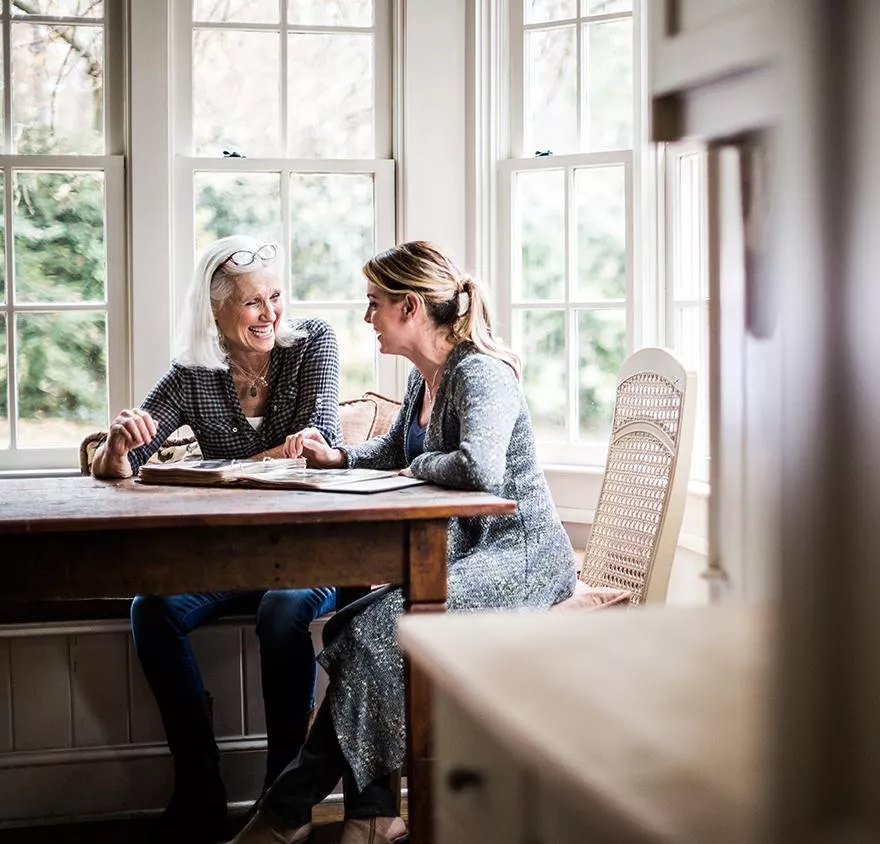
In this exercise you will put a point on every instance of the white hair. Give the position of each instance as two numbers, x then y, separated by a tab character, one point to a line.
213	281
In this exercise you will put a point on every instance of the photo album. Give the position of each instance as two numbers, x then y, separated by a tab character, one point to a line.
278	473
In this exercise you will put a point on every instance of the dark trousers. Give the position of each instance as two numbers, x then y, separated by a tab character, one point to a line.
161	625
321	763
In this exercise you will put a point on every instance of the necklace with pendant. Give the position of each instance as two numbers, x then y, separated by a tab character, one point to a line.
432	386
252	377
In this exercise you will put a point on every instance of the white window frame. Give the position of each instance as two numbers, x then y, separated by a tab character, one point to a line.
381	168
571	451
511	28
112	165
671	158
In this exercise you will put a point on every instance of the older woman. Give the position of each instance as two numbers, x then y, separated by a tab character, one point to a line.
464	424
243	380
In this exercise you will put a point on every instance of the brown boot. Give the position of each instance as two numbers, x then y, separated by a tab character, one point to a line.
375	831
264	828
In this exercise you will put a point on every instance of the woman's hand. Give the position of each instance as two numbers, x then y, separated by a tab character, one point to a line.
130	429
310	443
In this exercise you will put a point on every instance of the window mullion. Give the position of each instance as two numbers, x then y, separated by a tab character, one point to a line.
117	310
12	395
383	60
286	233
504	280
182	58
183	244
583	86
519	101
115	61
630	259
7	75
284	35
571	263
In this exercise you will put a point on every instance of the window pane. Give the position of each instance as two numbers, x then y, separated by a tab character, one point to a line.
357	347
2	94
58	89
330	81
539	339
689	280
4	386
601	233
58	228
609	89
236	83
237	203
61	8
2	240
600	351
332	235
236	11
550	10
605	7
341	13
540	203
551	90
61	364
691	341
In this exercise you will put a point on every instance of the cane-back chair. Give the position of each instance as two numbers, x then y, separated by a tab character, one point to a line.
638	517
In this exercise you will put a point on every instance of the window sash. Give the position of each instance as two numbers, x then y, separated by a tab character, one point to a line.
519	31
387	373
112	165
115	306
114	23
572	450
182	23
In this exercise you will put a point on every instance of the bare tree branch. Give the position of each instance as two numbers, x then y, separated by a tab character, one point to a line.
67	33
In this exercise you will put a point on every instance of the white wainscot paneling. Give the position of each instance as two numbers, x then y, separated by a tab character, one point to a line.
5	699
218	652
146	725
99	677
255	717
41	704
80	733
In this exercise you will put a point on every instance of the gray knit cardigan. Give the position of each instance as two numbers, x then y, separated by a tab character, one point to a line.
479	437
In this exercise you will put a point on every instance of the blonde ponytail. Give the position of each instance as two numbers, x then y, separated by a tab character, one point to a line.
474	324
451	298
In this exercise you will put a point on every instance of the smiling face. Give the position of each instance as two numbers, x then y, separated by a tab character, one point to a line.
249	318
388	320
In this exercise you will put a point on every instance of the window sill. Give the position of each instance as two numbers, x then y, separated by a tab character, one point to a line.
66	472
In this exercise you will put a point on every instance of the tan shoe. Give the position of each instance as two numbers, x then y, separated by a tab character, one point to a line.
264	828
375	831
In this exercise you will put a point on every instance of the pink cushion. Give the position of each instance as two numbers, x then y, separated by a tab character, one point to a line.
593	598
366	417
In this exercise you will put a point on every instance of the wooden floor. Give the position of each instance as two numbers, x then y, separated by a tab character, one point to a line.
327	819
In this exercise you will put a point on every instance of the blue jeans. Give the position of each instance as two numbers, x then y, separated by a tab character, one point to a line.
161	625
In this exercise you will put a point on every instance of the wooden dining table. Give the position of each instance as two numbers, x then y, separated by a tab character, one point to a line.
81	538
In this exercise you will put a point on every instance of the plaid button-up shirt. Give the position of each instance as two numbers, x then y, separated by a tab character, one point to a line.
303	392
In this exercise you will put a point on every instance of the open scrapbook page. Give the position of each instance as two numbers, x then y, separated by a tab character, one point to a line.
281	473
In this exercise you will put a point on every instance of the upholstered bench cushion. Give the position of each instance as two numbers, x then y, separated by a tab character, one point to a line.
363	418
369	416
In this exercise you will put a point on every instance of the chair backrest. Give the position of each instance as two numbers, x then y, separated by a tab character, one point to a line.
635	532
